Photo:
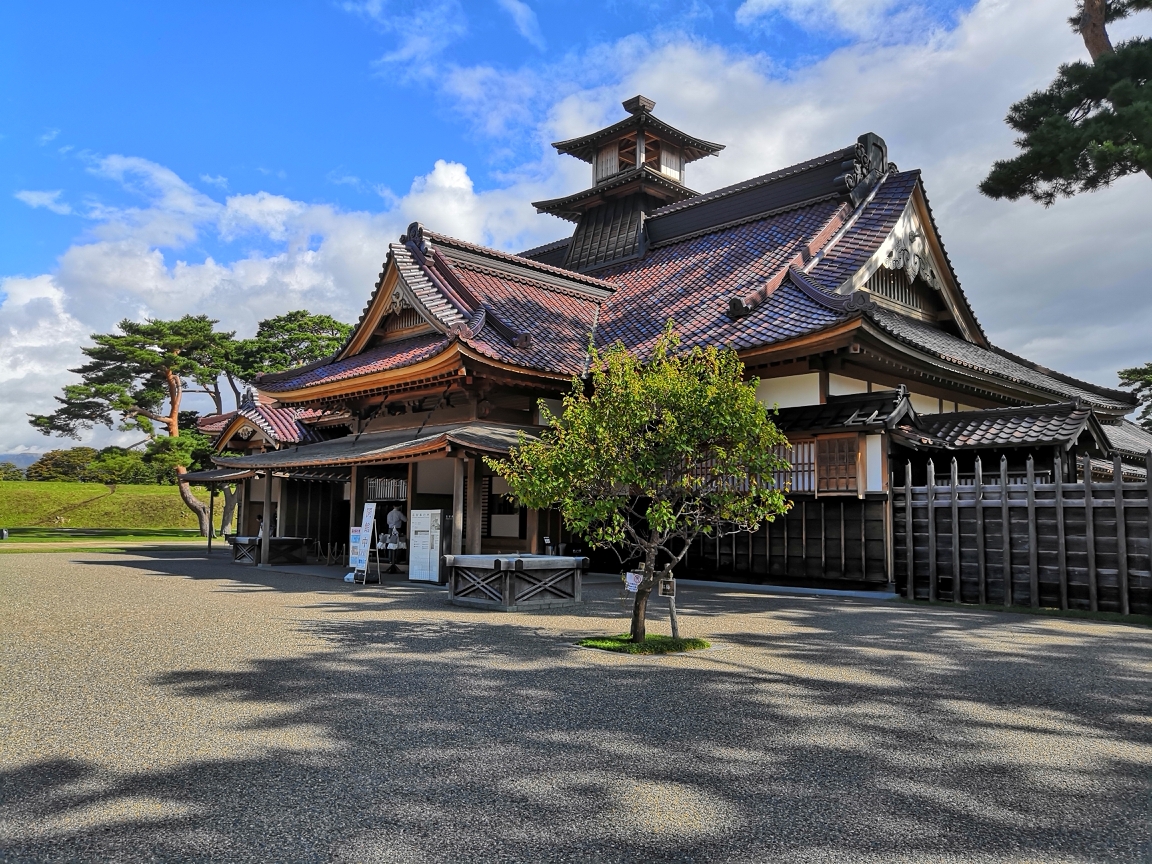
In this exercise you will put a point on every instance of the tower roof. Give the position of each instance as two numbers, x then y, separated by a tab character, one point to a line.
641	117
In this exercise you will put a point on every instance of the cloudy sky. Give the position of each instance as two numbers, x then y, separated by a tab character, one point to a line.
247	159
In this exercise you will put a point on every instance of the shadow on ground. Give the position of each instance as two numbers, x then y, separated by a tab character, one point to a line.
827	730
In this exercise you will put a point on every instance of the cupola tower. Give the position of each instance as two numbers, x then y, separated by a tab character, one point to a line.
637	166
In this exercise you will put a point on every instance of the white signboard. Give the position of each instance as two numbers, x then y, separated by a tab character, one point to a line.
357	551
424	546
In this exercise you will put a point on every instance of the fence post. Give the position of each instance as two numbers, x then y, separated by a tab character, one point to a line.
1061	551
1033	552
1121	531
1090	534
931	531
908	528
978	490
954	478
1007	531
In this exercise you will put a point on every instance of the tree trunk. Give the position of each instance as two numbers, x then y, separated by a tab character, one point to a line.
640	607
1093	30
191	501
231	499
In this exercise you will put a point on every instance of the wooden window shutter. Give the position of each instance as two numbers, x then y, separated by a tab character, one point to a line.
836	464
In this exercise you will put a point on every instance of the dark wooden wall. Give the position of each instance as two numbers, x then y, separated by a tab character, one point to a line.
314	509
1068	545
833	541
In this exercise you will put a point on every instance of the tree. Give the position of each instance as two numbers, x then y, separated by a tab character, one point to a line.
61	464
285	342
11	471
1139	378
138	376
654	455
116	466
1092	125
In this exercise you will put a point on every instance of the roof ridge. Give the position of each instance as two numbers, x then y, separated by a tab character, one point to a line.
1120	395
771	176
516	260
545	247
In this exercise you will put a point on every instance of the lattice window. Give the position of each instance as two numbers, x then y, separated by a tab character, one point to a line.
405	319
802	477
836	460
894	285
386	489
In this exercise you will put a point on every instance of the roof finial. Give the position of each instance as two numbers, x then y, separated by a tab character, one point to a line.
638	104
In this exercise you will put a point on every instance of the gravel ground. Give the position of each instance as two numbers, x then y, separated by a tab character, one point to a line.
167	708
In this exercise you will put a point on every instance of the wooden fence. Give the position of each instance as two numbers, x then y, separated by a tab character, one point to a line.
1078	545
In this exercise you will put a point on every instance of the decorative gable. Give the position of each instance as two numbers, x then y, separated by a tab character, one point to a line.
910	273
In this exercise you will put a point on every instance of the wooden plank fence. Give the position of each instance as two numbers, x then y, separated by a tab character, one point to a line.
1021	542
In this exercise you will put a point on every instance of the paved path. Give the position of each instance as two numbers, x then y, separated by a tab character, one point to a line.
170	709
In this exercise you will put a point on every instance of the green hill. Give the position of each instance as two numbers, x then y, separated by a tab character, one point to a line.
91	505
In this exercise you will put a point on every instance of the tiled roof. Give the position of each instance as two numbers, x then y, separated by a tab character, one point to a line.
392	355
861	411
212	424
956	350
283	425
864	237
1034	425
381	446
692	281
1129	439
559	322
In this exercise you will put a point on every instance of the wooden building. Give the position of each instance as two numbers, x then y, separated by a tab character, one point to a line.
829	278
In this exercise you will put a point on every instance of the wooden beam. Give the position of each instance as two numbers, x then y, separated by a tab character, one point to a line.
1121	531
1090	534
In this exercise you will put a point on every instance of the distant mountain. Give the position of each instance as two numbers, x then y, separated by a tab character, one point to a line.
20	460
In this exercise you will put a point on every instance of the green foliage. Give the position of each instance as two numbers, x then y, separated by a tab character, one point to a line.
1114	10
1090	127
659	452
1139	379
651	645
117	466
190	450
61	464
287	341
90	505
130	375
11	471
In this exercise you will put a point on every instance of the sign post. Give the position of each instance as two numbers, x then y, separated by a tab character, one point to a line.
361	545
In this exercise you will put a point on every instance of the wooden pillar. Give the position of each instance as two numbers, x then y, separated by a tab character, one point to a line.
955	505
353	497
1033	552
1090	534
1061	546
475	524
931	531
266	542
211	514
459	466
1006	539
908	540
982	563
1121	532
533	532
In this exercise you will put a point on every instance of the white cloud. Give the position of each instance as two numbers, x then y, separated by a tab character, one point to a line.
47	200
893	20
49	135
219	180
525	20
421	31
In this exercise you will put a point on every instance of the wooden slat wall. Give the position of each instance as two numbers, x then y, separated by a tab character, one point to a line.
1068	545
826	538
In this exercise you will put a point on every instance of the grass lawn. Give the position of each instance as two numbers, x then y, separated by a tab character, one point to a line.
30	504
653	644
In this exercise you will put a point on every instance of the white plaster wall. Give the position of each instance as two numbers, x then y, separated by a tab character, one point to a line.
924	404
840	385
790	391
874	457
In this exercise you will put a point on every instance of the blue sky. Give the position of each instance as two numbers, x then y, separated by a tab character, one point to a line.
242	159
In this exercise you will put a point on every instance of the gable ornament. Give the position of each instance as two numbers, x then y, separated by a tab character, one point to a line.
910	253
